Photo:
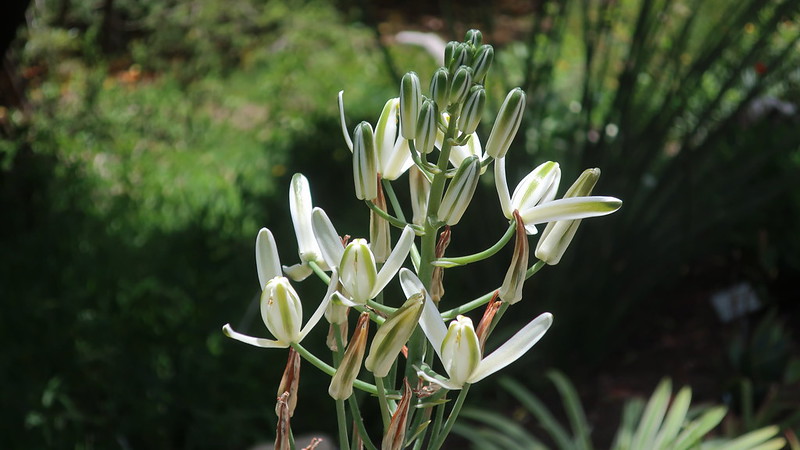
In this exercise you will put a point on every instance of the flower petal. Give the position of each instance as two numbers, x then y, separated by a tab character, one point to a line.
570	209
394	261
439	380
330	245
344	122
513	348
312	321
258	342
502	186
300	207
431	322
268	265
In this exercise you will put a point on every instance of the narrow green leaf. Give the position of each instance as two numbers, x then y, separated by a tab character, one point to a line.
699	428
630	418
754	439
501	423
653	416
675	419
574	409
539	410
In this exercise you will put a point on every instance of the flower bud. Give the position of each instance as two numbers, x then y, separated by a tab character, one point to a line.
474	37
511	290
393	335
365	170
472	111
461	350
289	382
440	88
394	439
482	63
410	99
462	80
341	386
427	126
449	50
420	188
358	273
557	236
282	310
460	190
462	56
506	124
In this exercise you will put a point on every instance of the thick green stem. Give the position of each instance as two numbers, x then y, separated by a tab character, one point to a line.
341	418
319	272
384	405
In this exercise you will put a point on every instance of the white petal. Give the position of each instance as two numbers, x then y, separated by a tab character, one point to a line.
330	245
447	384
513	348
298	272
570	209
502	187
394	261
312	321
398	162
431	322
344	122
300	208
258	342
268	265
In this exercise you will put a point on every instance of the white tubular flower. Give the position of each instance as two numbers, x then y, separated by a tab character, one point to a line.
356	263
537	187
393	156
300	206
282	312
458	346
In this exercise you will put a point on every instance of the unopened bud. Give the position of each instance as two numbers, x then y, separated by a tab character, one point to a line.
449	50
482	63
289	382
365	169
557	236
440	88
474	37
511	290
460	191
394	439
341	386
506	124
420	188
461	350
462	80
281	310
462	56
410	99
472	111
393	335
427	127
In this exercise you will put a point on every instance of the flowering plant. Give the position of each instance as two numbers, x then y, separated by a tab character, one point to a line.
433	139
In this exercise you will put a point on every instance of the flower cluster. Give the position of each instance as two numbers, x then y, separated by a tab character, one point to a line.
432	137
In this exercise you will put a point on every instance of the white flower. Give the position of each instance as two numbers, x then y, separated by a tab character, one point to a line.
300	206
356	263
458	346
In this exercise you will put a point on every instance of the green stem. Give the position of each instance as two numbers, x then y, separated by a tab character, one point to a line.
341	416
391	219
388	310
398	210
360	423
384	405
534	268
462	260
437	422
319	272
323	366
451	420
427	169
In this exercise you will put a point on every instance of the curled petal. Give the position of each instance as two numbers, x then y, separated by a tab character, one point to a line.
570	209
257	342
343	121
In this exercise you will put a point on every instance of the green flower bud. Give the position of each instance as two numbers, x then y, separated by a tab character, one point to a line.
460	191
365	170
410	99
427	126
462	56
461	351
420	189
462	80
557	236
358	273
506	124
449	50
472	111
282	310
440	88
474	37
482	63
393	335
341	386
